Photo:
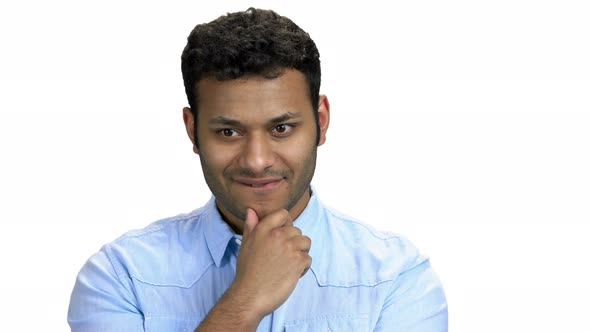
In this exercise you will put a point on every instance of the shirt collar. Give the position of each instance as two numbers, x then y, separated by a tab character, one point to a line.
309	222
218	233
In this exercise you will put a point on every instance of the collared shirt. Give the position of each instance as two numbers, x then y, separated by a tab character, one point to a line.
167	276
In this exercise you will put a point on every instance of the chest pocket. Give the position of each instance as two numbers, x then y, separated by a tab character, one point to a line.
330	323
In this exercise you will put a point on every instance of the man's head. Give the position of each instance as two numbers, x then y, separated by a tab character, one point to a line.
256	116
254	42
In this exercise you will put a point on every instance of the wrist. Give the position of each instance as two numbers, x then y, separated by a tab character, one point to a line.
233	312
243	304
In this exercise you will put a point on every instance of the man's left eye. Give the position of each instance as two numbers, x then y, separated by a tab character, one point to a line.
227	132
282	129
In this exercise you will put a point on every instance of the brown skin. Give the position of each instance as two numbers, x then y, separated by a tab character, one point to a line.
257	145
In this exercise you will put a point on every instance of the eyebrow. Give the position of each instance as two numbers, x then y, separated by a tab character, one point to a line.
285	117
222	120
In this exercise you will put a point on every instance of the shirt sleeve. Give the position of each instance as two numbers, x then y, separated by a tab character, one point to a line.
101	300
416	303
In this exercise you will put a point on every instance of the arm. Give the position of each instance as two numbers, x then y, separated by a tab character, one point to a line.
416	303
231	313
272	258
101	301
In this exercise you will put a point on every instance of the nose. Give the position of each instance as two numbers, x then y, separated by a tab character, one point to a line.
257	154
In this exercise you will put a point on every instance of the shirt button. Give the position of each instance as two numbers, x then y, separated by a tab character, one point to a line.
238	241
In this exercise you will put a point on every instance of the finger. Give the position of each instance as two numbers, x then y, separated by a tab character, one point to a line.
304	272
307	268
276	219
289	221
303	243
250	223
290	232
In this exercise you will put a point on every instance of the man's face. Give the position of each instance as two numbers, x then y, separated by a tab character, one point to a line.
257	143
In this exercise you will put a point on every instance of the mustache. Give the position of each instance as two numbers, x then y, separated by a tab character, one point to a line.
244	172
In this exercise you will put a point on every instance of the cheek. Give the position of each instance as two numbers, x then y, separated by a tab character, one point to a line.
297	154
217	158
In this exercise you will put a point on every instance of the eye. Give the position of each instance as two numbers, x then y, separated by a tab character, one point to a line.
228	132
282	129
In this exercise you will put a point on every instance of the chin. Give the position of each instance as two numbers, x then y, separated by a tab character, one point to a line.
264	209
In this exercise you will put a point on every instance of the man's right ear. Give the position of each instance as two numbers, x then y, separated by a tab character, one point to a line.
189	124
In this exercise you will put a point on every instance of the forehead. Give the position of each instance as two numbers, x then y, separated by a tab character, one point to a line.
253	97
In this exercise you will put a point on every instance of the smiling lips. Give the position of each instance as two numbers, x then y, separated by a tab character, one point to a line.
265	183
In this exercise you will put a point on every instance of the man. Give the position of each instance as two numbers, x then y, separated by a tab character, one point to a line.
245	261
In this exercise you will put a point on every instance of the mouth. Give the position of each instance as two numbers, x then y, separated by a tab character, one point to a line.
266	183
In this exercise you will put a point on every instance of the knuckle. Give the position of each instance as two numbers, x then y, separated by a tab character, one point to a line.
307	240
290	246
305	243
299	256
276	232
303	259
293	231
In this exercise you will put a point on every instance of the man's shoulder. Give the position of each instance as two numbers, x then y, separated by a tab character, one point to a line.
151	254
361	255
183	222
354	226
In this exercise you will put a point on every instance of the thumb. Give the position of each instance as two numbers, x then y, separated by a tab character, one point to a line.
250	222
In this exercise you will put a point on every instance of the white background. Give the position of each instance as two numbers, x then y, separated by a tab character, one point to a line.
463	125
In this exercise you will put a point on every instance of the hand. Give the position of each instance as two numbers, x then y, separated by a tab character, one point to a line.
272	257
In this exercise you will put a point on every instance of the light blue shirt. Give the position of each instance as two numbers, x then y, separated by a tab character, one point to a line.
167	276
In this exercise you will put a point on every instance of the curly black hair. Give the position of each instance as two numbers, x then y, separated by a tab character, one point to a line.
255	41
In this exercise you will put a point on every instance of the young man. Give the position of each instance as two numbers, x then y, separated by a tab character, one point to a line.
243	262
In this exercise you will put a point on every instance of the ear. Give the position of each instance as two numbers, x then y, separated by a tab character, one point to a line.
189	124
323	118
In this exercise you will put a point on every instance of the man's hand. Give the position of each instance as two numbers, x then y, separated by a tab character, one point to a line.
272	258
